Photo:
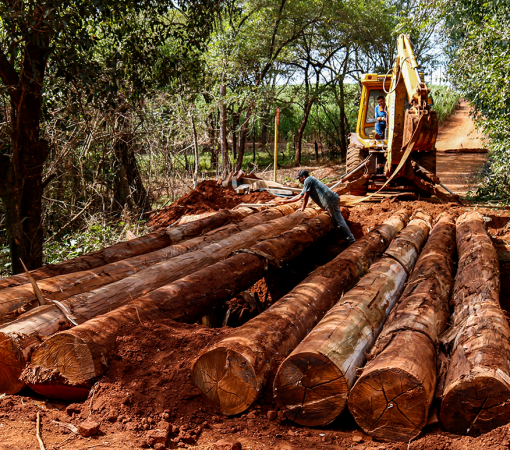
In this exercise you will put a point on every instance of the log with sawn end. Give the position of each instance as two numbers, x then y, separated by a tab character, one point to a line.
476	395
391	399
67	364
144	244
233	372
20	337
64	286
312	384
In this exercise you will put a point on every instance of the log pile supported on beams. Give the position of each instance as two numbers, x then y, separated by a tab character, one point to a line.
391	399
476	396
144	244
68	363
64	286
233	372
18	338
312	384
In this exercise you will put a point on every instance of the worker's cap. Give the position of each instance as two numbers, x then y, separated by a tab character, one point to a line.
302	173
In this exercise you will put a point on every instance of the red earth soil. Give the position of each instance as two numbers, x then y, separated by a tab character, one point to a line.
148	382
207	196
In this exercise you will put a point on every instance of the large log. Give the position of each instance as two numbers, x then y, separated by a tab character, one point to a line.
67	364
64	286
391	399
18	338
134	247
233	372
312	384
476	396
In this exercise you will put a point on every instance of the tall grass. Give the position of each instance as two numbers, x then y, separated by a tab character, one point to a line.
445	101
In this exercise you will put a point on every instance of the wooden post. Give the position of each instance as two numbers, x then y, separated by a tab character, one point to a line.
312	384
68	363
276	123
477	386
391	399
20	337
233	372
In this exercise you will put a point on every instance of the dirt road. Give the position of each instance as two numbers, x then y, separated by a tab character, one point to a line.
459	171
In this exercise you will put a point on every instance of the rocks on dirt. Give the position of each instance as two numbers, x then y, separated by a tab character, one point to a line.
73	408
88	428
227	444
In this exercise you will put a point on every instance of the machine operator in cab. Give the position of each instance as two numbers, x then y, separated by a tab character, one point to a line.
381	117
325	198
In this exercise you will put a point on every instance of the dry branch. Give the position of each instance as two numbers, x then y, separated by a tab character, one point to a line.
18	338
476	397
233	372
312	384
391	399
78	356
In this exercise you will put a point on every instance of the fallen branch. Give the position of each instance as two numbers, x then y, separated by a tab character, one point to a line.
38	433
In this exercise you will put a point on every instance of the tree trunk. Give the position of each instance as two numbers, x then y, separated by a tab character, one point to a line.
123	250
233	372
225	161
129	188
343	120
78	356
196	152
312	384
21	172
235	126
477	385
18	338
391	400
316	151
301	130
242	137
64	286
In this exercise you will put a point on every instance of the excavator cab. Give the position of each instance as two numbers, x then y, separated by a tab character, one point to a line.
410	133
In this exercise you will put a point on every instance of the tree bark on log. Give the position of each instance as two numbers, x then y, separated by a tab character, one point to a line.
391	399
134	247
233	372
64	286
68	363
476	397
312	384
19	338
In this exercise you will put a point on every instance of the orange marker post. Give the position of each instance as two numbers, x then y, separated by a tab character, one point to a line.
277	122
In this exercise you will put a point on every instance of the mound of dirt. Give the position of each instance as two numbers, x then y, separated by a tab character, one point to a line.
207	196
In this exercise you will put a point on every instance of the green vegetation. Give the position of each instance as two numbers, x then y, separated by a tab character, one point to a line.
445	101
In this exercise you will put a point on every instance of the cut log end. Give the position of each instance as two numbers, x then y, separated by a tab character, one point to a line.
310	389
226	378
390	404
476	404
68	358
12	363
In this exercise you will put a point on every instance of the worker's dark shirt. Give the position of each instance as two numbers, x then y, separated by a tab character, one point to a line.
319	192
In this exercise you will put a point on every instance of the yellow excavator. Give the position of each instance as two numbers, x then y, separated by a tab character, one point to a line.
404	158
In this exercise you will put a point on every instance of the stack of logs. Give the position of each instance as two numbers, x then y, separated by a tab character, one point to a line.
364	331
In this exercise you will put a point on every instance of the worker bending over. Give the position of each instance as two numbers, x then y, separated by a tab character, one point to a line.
325	198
